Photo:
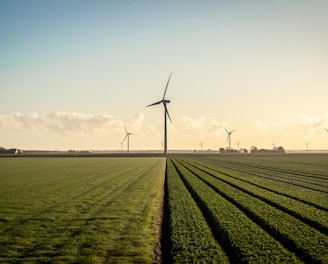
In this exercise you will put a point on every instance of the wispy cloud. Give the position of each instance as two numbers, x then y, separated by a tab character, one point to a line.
135	122
299	124
203	124
195	123
63	123
303	124
261	126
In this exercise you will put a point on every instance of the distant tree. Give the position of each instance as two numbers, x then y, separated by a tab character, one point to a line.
244	151
253	149
281	149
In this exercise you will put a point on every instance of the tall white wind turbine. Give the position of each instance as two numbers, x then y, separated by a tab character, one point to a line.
229	137
127	136
166	114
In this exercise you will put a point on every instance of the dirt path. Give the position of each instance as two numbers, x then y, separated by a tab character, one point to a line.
158	242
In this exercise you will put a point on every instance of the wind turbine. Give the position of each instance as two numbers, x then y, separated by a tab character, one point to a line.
201	145
127	136
121	146
229	137
166	114
307	145
238	144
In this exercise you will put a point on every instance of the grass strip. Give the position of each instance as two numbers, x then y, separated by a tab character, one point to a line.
79	210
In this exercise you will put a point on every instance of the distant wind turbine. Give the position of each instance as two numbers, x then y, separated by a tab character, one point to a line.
238	144
201	145
229	137
307	145
127	136
121	146
166	114
273	145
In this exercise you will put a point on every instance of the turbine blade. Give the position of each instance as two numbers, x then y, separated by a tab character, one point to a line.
154	103
167	86
326	129
228	138
125	130
232	131
167	112
124	138
226	130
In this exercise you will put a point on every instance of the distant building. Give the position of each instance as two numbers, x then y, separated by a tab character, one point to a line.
275	150
12	151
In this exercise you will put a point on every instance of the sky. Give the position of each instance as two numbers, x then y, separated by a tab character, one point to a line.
74	73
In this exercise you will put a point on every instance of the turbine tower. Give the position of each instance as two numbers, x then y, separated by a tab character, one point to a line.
127	136
166	114
229	137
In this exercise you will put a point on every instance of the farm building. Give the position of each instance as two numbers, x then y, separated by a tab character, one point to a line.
12	151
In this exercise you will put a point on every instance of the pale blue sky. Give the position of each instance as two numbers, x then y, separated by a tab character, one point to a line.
73	72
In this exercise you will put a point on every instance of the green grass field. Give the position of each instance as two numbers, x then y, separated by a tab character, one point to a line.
79	210
217	209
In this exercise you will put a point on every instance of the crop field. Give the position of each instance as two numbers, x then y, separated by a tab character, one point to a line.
215	209
79	210
248	209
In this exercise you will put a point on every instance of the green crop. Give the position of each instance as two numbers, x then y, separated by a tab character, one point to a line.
190	236
297	236
244	240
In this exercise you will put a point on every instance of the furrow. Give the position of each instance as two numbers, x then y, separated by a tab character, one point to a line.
246	240
292	233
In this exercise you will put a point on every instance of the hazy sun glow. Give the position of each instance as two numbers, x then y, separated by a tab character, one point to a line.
73	74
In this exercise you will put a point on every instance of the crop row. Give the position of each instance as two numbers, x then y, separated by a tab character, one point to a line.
305	212
190	236
285	175
313	199
243	239
308	243
311	165
309	181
